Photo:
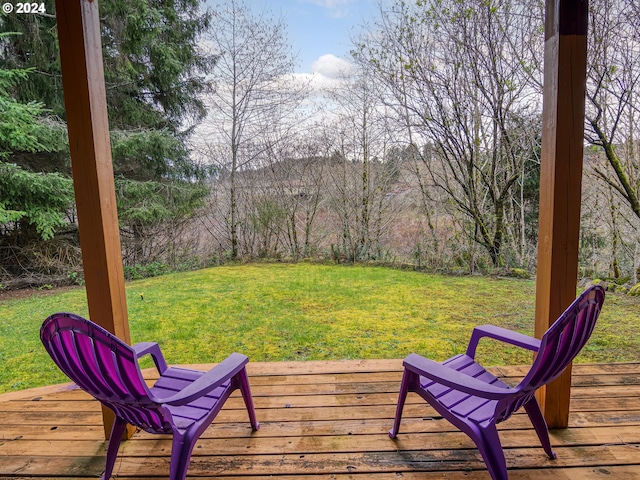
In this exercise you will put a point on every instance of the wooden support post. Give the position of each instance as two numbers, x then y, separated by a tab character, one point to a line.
89	144
565	58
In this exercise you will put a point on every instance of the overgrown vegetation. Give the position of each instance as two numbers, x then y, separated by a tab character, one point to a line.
274	312
426	150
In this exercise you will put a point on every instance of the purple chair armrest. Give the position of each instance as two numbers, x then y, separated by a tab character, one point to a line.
454	379
151	348
211	380
502	334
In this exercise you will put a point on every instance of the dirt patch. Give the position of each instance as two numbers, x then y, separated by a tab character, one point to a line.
32	292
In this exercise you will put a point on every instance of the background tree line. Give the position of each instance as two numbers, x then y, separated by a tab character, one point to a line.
427	152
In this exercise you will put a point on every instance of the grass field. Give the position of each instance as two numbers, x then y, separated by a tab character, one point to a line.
277	312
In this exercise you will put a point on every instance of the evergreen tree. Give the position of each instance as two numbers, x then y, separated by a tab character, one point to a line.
29	202
154	73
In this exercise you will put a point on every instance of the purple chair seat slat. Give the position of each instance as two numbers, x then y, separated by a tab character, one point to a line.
476	410
176	379
172	383
482	413
181	402
463	364
205	402
460	362
180	374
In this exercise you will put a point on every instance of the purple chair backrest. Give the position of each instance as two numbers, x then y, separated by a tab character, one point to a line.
103	366
560	344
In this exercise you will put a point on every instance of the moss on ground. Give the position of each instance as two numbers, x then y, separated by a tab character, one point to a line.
279	312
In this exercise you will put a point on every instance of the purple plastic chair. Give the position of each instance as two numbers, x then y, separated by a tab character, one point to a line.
182	402
474	400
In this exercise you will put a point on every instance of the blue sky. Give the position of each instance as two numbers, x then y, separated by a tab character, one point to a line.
319	28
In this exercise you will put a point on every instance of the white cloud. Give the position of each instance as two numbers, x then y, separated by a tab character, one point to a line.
331	66
336	8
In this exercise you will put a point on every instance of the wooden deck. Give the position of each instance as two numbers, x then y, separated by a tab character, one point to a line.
328	420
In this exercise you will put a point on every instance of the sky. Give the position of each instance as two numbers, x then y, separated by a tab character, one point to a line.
320	30
320	34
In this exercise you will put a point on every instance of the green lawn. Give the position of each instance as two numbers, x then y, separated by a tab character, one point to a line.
309	312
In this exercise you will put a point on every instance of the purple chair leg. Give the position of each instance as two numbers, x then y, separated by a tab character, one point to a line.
488	443
117	430
246	396
181	448
402	396
540	425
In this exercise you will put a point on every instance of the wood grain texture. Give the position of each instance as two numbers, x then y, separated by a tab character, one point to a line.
312	431
91	164
565	60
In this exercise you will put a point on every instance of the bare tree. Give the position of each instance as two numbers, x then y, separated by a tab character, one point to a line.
459	73
612	121
254	90
297	169
284	196
613	91
360	176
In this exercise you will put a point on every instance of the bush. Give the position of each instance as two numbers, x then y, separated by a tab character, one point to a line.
138	272
519	273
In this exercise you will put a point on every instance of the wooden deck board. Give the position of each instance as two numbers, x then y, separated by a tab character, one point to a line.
328	420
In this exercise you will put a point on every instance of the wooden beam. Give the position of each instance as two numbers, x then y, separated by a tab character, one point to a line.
565	59
89	144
